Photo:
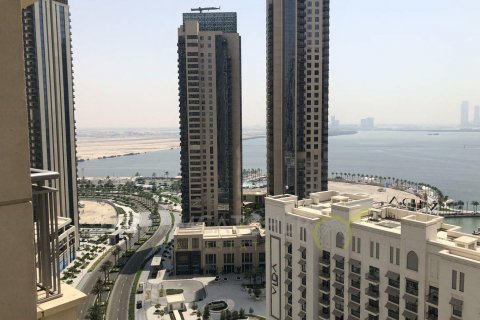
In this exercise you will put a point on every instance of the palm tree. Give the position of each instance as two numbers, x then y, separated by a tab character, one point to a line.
116	252
94	313
475	205
98	289
105	268
129	236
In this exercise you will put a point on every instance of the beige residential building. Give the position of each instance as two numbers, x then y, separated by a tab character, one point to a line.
218	249
23	296
209	63
297	96
341	256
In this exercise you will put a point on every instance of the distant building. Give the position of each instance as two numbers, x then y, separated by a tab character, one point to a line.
209	68
464	110
212	250
476	116
50	105
367	123
254	197
337	256
334	124
297	96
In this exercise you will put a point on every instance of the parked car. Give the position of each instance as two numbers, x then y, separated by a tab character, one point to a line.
139	304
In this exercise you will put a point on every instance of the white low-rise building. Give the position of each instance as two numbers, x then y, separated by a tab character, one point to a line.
340	256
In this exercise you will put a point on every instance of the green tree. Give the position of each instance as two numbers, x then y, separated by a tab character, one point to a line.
94	313
241	313
251	311
475	205
105	268
206	313
97	290
116	252
223	315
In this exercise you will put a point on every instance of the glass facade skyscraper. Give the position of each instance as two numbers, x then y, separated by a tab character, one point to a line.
297	96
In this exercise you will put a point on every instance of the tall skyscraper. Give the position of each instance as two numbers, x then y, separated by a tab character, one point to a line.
209	64
464	109
476	116
50	94
297	96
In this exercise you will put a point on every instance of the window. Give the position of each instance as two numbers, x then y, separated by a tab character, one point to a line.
353	244
228	258
377	246
195	243
411	287
228	243
182	244
371	249
391	254
412	261
340	240
246	243
211	258
457	310
210	244
462	281
454	279
359	245
397	253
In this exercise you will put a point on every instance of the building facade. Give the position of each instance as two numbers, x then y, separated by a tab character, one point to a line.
464	114
209	63
340	256
214	250
297	96
49	90
476	116
25	269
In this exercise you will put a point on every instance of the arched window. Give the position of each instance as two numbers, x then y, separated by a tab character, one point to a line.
412	261
340	240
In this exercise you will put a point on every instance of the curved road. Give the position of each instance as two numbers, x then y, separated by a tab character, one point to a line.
120	296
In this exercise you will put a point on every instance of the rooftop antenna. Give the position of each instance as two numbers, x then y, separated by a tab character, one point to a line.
201	9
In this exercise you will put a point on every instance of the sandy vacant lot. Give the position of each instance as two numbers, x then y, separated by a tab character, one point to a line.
93	148
377	196
97	213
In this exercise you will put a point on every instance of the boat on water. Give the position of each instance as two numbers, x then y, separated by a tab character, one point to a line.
476	232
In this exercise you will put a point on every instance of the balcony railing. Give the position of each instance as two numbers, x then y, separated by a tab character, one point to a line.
46	234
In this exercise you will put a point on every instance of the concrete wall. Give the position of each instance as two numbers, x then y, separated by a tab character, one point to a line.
16	217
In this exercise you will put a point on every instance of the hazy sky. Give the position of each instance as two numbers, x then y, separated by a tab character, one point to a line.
408	61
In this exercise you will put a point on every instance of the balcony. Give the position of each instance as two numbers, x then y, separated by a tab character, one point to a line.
372	293
324	261
371	308
432	299
372	277
46	235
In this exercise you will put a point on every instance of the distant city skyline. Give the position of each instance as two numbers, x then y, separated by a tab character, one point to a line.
387	61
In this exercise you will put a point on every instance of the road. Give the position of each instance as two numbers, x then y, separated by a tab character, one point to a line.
87	285
120	296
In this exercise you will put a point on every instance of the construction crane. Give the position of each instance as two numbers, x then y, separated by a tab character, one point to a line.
200	9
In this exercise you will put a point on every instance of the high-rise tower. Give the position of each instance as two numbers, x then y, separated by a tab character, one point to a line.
49	83
209	63
297	96
464	110
476	116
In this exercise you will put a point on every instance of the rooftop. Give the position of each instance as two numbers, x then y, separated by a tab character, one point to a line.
213	232
359	210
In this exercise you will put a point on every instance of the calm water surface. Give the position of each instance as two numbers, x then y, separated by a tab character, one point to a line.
450	161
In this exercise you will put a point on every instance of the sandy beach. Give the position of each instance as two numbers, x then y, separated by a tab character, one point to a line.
93	148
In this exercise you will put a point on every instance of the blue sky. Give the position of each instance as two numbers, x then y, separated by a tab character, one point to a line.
406	61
